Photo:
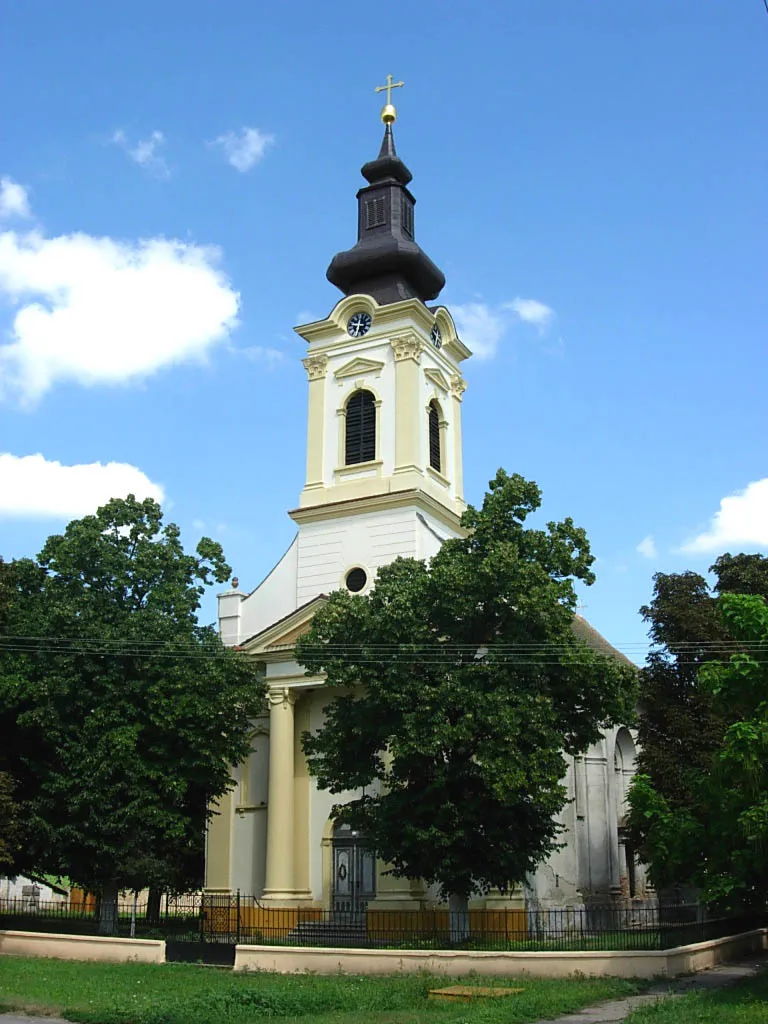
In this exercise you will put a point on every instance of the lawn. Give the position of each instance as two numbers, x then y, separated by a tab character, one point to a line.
745	1003
188	994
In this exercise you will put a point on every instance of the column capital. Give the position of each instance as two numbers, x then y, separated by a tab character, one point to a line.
316	366
407	346
458	386
278	696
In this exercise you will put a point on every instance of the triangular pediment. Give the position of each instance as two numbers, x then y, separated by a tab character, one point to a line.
283	634
359	367
437	378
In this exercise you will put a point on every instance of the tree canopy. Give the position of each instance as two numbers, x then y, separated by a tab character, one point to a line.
463	687
123	715
680	723
718	840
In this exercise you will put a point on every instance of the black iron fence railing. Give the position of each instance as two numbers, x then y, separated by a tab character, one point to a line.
228	920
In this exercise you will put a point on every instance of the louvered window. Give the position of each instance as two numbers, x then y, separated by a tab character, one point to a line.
361	428
407	216
375	213
434	437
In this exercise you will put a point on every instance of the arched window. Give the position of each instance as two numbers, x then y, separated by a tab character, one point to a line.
360	441
434	436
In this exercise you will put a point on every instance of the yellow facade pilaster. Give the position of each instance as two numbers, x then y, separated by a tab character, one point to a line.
408	426
218	845
279	885
316	367
301	790
458	387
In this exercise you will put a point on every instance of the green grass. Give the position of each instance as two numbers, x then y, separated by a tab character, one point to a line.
187	994
745	1003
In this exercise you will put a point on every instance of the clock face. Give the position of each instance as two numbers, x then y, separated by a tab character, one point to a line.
436	337
359	324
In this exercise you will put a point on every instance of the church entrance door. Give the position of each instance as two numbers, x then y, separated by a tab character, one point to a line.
354	871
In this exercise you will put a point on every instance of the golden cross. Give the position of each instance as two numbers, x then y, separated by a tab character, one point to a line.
389	87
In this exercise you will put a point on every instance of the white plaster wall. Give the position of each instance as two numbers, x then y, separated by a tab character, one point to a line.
430	535
274	598
556	880
249	845
327	549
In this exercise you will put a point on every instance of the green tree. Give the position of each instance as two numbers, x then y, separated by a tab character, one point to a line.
718	840
9	810
9	822
124	714
680	723
465	686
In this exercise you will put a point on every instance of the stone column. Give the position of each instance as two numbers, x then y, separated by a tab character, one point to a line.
316	367
408	409
280	849
458	387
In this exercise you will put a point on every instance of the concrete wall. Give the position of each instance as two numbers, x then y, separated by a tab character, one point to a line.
640	964
82	947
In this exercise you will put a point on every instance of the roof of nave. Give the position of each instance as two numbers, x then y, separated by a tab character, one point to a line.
589	635
581	628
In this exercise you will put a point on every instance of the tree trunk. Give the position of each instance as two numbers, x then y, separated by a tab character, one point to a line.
458	910
108	915
154	899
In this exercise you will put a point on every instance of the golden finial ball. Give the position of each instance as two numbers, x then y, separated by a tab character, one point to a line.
388	113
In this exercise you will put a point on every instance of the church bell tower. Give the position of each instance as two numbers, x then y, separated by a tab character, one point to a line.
385	385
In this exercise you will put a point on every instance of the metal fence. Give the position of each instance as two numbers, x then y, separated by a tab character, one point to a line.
202	926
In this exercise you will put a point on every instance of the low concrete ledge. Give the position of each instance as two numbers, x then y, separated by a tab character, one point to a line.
622	964
82	947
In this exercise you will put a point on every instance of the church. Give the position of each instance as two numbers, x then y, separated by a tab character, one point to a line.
385	402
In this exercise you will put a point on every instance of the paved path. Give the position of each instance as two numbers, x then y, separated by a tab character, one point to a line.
12	1018
620	1009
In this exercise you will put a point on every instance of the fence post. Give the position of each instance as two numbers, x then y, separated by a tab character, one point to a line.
238	916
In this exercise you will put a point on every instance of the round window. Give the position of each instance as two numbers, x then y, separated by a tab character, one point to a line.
356	580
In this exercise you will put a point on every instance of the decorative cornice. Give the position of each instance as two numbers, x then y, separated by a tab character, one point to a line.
316	366
359	366
458	386
376	502
408	346
437	378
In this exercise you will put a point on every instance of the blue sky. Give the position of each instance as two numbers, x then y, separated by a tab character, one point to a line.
177	176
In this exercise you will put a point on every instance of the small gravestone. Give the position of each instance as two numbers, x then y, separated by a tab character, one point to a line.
465	993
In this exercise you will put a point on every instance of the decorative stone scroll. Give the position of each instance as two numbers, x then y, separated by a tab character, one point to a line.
458	386
407	348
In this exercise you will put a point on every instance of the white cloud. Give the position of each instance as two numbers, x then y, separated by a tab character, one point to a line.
647	547
741	520
30	485
479	327
482	326
531	311
262	354
101	311
244	149
146	152
14	201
